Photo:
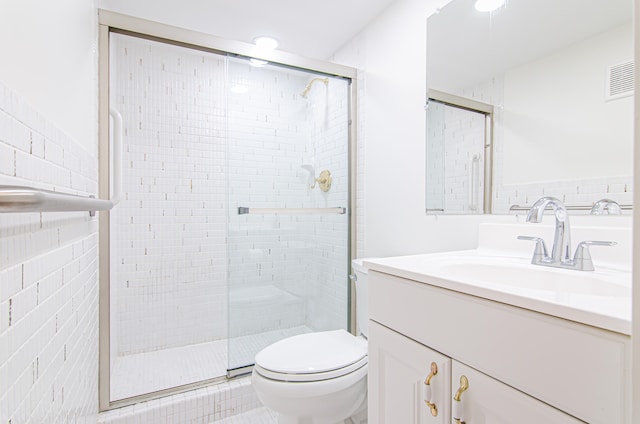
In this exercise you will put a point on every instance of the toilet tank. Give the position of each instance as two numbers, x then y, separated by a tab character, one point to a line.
362	296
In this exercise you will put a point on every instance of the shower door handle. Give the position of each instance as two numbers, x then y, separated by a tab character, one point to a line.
116	162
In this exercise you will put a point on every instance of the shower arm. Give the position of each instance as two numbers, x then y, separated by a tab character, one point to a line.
308	87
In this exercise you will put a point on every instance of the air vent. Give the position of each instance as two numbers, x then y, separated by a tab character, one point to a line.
620	80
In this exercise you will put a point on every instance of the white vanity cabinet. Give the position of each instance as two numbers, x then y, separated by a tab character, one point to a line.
522	366
398	368
488	401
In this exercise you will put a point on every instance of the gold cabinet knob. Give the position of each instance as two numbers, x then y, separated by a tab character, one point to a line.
427	382
457	399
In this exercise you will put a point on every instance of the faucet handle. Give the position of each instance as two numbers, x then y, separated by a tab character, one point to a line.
540	251
582	257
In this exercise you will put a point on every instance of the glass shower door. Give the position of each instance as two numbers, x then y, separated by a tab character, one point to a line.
288	234
168	234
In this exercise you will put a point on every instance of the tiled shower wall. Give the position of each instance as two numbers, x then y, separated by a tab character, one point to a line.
201	152
169	231
455	139
48	277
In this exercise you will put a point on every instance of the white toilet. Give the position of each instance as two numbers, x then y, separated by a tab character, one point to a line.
317	378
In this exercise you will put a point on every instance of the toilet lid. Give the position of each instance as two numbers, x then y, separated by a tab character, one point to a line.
313	353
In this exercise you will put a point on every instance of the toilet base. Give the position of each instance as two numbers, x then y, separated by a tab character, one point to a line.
358	417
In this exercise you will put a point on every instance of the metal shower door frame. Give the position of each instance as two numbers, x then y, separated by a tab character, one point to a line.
115	22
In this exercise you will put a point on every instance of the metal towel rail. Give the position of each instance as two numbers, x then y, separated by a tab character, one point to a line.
28	199
298	211
519	208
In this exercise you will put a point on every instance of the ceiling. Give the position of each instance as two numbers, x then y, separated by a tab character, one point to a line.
466	47
312	29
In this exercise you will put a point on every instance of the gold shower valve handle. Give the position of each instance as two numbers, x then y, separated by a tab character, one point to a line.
427	382
323	181
456	412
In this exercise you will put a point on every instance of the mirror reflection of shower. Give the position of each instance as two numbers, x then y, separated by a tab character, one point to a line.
306	90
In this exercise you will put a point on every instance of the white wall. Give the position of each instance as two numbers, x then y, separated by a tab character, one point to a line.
635	310
49	54
391	55
48	261
569	83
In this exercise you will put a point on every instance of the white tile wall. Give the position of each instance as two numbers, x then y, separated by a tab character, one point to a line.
455	139
169	232
435	164
48	277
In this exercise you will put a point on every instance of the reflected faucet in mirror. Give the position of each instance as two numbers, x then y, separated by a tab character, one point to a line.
606	207
561	250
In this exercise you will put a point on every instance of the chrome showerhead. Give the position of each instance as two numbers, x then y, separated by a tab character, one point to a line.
308	87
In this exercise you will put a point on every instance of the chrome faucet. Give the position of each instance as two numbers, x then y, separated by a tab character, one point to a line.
606	207
561	250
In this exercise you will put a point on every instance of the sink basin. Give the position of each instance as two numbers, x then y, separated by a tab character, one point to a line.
500	270
534	278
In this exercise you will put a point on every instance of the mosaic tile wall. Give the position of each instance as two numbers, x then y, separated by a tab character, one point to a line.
48	277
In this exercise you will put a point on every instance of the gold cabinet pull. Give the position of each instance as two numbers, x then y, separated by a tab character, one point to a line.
464	385
427	382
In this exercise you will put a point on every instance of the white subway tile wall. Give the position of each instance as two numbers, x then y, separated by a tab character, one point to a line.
194	152
435	150
455	150
169	231
48	277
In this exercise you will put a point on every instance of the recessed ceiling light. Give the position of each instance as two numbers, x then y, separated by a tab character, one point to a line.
488	5
265	43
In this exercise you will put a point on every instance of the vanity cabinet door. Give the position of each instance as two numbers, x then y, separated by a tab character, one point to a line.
398	369
488	401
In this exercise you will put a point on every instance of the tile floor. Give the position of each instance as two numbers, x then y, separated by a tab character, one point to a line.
256	416
133	375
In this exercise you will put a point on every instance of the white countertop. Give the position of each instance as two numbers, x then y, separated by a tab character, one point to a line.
607	306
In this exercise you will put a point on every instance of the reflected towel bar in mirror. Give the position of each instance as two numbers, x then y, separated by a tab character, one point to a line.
519	208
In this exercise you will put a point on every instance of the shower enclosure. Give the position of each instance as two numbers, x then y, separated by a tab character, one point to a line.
229	235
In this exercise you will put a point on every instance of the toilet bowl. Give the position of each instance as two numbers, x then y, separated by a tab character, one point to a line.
317	378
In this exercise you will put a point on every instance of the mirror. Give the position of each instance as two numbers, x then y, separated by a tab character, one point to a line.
559	75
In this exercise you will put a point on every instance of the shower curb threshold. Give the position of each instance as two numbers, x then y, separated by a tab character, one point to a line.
204	405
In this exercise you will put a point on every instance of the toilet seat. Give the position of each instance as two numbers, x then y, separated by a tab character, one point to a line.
312	357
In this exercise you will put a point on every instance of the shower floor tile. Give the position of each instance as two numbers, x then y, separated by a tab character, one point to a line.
141	373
